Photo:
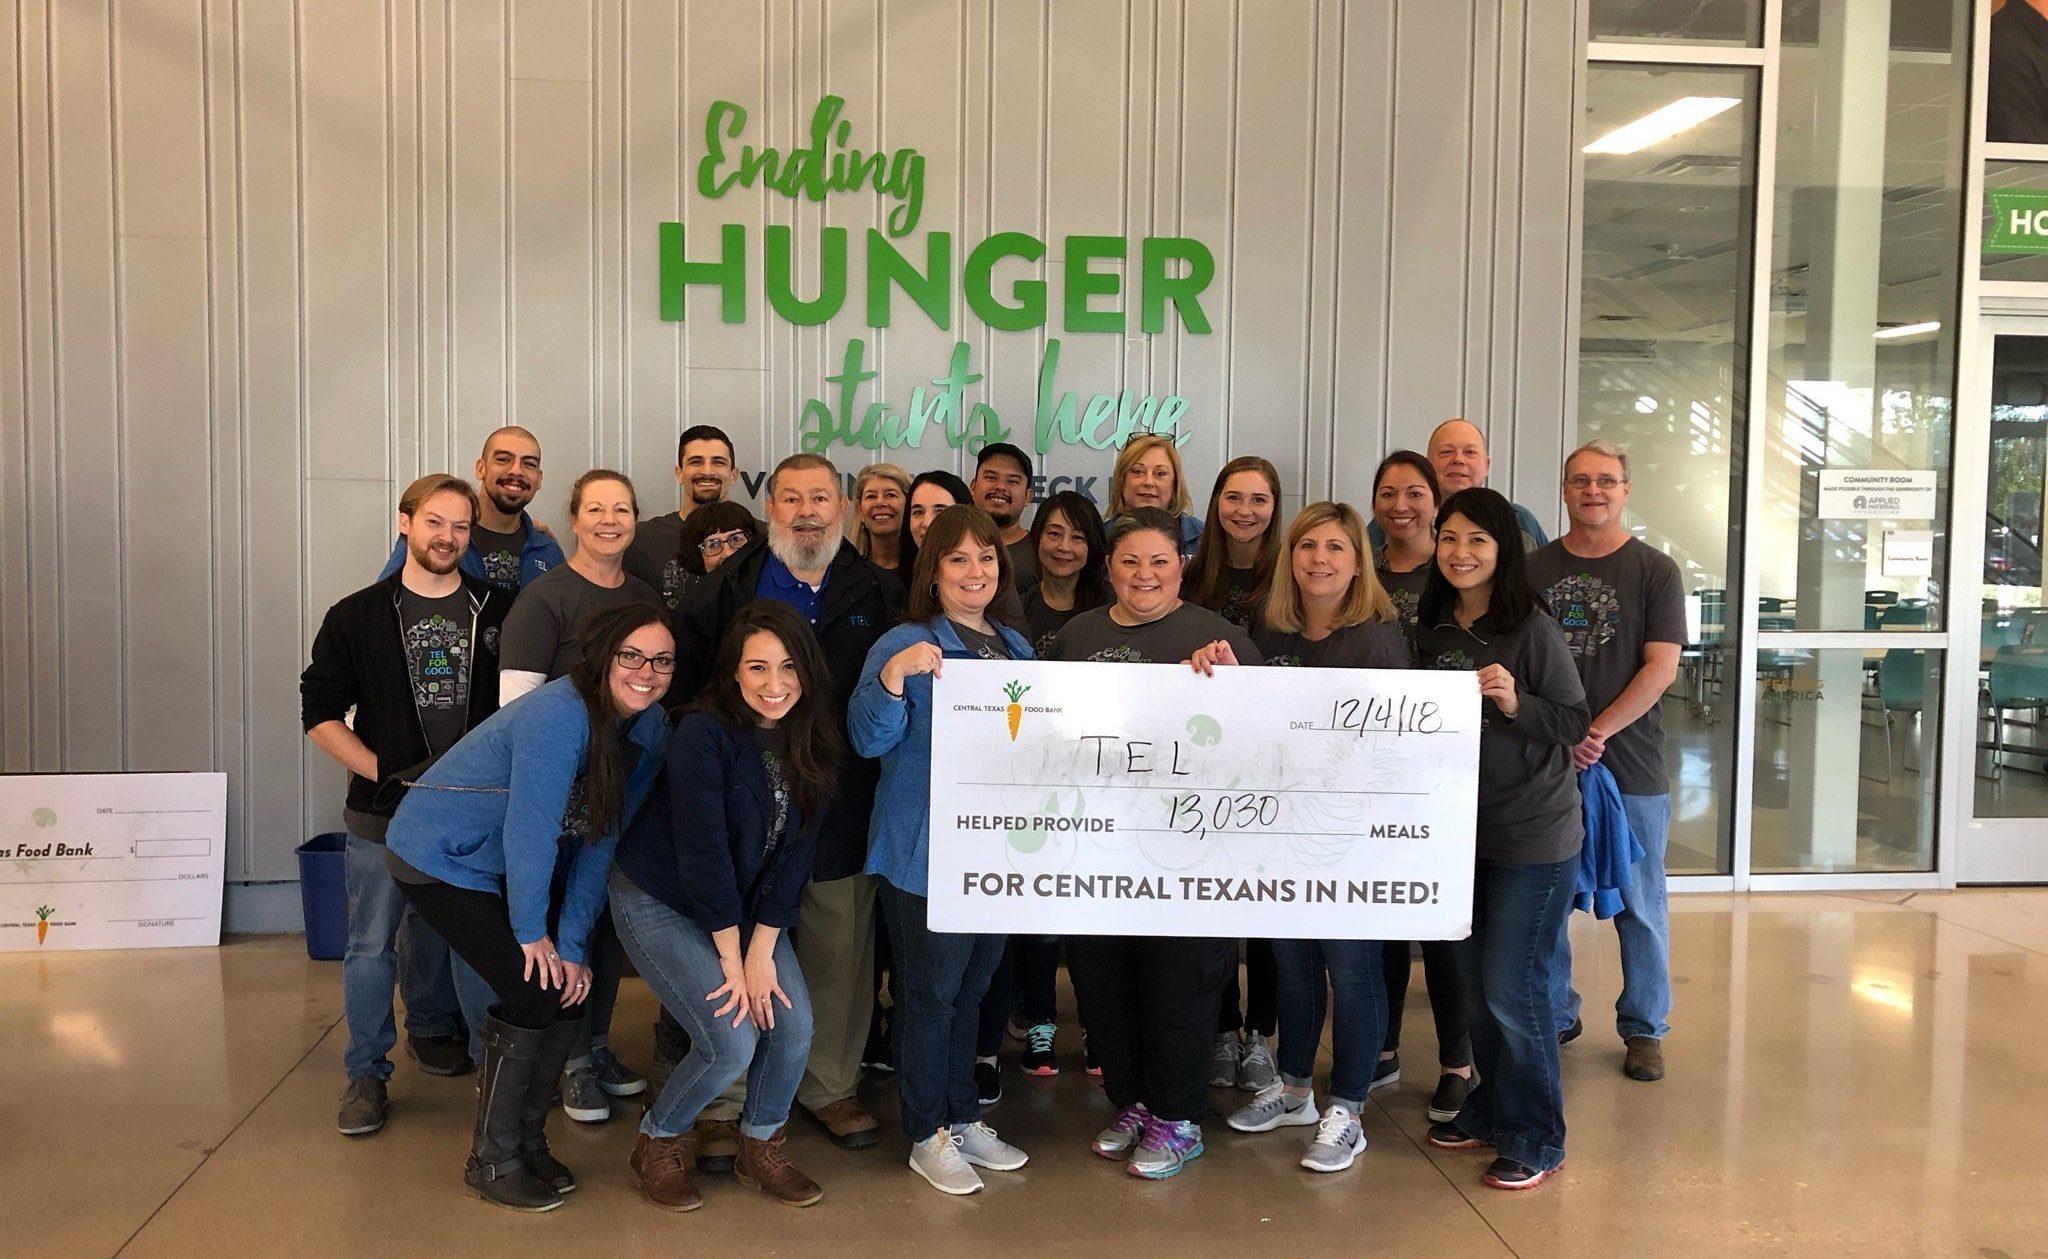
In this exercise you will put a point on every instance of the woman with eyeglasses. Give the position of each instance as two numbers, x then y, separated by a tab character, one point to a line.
881	494
503	847
709	536
539	645
706	889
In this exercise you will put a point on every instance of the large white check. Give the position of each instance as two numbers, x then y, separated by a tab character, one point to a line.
1137	799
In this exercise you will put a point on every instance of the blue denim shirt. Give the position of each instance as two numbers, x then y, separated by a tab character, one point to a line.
899	733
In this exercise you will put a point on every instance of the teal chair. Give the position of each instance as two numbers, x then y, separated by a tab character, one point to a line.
1901	688
2019	683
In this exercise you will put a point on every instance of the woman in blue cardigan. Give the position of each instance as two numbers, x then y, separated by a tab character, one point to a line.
706	889
502	847
962	571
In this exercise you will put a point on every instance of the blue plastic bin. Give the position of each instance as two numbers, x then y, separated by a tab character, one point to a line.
323	890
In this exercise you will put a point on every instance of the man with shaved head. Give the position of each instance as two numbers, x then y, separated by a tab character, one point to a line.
1457	450
506	548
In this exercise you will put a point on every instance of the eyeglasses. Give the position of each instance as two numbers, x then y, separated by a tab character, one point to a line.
724	542
629	660
1582	481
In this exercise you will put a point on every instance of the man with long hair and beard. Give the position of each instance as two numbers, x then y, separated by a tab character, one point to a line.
806	562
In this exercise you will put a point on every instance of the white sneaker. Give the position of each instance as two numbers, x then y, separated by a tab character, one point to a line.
1224	1060
1256	1070
1275	1107
937	1159
979	1145
1339	1140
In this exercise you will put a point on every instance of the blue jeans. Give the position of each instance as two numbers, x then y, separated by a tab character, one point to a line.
939	983
1358	1021
678	960
1644	928
389	944
1518	913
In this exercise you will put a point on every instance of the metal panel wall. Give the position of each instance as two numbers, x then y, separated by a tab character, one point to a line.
271	260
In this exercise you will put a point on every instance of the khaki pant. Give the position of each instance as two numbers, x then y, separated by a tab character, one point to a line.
835	949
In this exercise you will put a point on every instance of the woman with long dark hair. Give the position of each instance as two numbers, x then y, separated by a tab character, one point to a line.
1150	1002
1326	610
503	846
1404	504
941	977
1480	613
930	493
706	889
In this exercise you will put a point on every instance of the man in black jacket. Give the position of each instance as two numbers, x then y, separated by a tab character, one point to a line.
806	562
416	656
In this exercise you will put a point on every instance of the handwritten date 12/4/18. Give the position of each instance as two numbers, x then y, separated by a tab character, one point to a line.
1196	813
1380	714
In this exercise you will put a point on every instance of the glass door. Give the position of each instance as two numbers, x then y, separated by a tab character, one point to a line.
2008	832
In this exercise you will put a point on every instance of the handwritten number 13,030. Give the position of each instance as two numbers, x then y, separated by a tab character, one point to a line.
1193	813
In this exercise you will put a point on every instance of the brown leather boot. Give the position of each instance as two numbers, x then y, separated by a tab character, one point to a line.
666	1170
718	1145
762	1165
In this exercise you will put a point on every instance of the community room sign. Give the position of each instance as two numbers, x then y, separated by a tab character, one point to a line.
900	279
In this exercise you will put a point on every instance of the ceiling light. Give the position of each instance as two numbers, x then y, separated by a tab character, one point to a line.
1898	332
1659	125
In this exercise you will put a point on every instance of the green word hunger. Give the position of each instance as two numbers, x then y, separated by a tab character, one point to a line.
1172	271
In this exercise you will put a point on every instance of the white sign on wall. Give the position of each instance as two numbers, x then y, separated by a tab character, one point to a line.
111	861
1857	494
1138	799
1908	553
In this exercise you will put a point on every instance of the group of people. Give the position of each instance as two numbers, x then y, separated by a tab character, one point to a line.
701	744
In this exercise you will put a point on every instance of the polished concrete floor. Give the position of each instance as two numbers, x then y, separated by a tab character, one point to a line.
1850	1074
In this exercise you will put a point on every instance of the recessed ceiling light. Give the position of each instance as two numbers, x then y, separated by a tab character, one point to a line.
1661	124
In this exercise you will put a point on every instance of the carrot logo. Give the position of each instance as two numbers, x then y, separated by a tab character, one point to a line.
43	913
1015	712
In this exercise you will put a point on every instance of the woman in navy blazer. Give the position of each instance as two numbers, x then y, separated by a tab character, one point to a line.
706	888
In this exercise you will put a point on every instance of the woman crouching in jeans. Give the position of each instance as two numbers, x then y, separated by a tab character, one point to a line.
706	889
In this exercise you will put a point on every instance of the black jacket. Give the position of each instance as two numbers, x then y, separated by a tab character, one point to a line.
859	603
359	661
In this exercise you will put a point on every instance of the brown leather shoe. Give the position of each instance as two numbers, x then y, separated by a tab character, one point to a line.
666	1170
1644	1059
718	1145
762	1165
849	1124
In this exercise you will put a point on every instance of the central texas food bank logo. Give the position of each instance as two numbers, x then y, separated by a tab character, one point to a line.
1014	712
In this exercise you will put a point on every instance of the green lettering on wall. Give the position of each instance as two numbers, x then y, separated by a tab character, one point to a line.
777	266
729	273
977	279
1158	288
1082	284
929	290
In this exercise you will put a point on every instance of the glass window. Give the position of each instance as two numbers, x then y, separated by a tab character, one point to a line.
1856	408
1829	717
1738	22
1661	369
2012	668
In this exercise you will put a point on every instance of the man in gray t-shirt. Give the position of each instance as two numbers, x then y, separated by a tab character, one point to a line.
1621	604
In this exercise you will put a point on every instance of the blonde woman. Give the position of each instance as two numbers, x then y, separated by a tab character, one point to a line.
1326	610
1148	474
881	493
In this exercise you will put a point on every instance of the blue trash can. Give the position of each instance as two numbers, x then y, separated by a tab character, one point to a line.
323	891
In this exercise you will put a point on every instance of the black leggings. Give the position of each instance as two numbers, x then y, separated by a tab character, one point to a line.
1261	984
1035	971
1446	998
1149	1004
478	926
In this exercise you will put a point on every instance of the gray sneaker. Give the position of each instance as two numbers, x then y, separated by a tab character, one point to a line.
1256	1071
979	1145
583	1096
615	1077
1274	1108
1118	1139
362	1107
1339	1141
1224	1059
938	1159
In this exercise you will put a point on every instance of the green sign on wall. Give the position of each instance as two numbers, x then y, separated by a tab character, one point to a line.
2019	221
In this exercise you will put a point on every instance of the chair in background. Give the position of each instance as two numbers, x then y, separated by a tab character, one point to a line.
2018	683
1901	688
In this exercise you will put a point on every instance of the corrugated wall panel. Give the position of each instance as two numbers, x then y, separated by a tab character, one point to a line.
272	259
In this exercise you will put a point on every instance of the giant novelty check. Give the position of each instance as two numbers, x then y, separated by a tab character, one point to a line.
1132	799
